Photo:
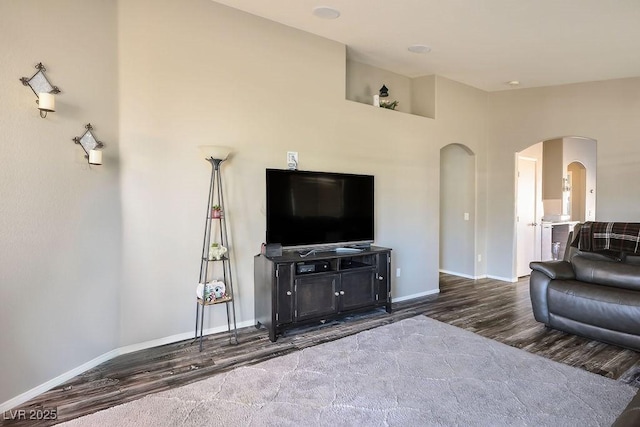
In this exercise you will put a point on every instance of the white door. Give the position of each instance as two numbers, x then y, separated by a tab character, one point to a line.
526	215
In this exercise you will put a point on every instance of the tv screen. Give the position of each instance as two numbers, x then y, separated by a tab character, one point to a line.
318	208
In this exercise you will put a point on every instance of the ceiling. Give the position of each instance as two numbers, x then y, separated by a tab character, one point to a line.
483	43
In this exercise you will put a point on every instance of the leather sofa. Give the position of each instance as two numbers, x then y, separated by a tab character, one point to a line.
590	294
630	417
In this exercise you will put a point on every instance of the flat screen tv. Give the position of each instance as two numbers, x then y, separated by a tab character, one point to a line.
318	208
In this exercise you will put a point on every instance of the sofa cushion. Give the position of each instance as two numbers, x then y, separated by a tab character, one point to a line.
617	274
612	308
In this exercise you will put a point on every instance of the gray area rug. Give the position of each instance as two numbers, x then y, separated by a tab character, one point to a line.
417	372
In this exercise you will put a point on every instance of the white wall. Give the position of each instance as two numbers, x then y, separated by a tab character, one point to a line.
277	89
461	113
414	95
604	111
364	81
141	71
60	225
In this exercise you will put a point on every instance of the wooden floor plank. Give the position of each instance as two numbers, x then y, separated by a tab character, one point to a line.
493	309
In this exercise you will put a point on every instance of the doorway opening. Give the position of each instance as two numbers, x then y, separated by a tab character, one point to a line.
527	217
563	185
577	191
458	210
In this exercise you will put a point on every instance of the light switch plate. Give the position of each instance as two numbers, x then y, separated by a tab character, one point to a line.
292	160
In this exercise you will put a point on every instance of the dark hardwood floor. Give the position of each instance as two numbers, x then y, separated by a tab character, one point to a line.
494	309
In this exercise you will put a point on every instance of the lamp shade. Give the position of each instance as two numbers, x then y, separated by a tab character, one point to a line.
46	101
217	152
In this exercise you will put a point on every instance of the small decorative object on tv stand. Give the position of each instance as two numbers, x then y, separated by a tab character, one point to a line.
215	256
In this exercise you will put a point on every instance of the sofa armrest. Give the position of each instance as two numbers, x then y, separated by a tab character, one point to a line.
554	269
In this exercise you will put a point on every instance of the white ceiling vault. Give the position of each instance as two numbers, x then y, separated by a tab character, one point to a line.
483	43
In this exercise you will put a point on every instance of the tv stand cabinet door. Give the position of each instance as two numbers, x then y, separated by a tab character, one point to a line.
384	280
284	294
357	289
316	296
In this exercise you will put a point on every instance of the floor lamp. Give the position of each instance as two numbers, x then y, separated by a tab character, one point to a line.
222	294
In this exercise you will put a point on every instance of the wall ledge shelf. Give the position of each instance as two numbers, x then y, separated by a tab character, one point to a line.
415	96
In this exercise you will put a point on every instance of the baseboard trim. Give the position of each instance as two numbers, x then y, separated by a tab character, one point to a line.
503	279
466	276
61	379
413	296
175	338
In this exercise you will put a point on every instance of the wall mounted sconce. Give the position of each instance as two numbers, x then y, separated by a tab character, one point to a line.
90	146
44	90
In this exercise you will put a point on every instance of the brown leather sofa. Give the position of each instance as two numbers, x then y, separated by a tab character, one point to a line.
590	294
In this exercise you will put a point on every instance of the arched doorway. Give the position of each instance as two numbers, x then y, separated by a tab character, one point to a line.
457	210
577	189
564	188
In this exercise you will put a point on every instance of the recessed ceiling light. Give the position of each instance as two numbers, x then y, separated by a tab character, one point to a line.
513	83
325	12
419	48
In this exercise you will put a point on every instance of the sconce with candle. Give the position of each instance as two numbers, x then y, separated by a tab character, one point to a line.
44	90
90	146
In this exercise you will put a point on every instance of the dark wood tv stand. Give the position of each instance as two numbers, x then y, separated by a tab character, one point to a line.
291	290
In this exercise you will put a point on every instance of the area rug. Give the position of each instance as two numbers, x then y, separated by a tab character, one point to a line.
416	372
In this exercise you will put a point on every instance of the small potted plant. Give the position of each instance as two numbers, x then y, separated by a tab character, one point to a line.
391	105
216	211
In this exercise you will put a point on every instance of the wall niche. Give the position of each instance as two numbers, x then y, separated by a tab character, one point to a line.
414	95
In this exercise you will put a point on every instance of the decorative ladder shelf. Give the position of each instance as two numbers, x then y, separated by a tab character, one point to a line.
215	232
